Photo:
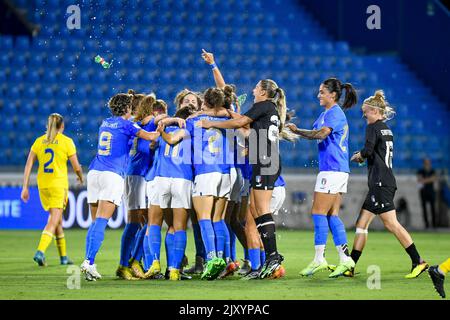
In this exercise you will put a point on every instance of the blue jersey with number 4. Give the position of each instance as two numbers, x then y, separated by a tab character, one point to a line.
113	145
174	161
333	150
141	156
211	148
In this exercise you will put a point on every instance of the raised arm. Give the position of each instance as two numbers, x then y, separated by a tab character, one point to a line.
209	59
76	167
25	195
321	134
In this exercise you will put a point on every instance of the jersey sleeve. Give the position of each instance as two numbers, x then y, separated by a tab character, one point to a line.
371	139
35	146
150	126
71	149
256	112
132	129
333	119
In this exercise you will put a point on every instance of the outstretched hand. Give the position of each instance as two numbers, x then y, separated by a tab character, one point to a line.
291	126
208	57
25	195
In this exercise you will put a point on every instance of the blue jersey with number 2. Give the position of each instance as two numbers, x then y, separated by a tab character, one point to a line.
113	145
333	150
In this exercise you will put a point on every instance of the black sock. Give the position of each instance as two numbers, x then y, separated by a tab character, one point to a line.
266	229
355	255
413	254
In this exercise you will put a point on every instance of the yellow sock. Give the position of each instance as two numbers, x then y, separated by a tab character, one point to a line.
61	245
46	239
445	266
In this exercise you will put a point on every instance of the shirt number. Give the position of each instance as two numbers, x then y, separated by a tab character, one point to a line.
105	143
49	162
389	153
175	149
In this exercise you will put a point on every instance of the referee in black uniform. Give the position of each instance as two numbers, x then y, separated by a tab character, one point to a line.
378	151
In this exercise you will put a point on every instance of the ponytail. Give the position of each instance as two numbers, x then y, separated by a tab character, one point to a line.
282	112
54	123
351	97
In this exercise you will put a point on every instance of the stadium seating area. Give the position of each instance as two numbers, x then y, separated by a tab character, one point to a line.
156	46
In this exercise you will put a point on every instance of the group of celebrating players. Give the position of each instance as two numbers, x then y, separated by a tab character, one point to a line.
222	169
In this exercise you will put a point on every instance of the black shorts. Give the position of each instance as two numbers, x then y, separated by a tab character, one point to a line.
380	200
261	181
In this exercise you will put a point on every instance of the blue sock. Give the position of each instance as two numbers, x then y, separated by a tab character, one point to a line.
170	248
227	251
96	238
255	258
337	230
88	236
129	232
154	239
220	238
147	254
320	229
246	255
138	250
263	256
180	240
199	247
232	243
208	237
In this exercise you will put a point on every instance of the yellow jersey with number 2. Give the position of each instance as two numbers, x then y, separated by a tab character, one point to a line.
52	157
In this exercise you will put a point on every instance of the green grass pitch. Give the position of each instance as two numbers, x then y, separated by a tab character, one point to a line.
21	278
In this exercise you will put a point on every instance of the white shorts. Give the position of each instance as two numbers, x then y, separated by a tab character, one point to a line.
135	192
173	192
152	195
331	182
245	192
237	183
212	184
278	196
105	185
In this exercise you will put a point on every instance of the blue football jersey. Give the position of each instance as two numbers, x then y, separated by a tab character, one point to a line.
174	161
113	148
141	156
210	147
333	151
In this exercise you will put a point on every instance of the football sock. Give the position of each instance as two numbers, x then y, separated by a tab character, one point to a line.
96	238
266	229
129	232
355	255
170	249
232	242
154	239
320	236
44	242
263	256
246	256
147	253
180	239
199	247
255	258
220	238
339	237
444	267
227	248
208	237
138	250
61	245
413	254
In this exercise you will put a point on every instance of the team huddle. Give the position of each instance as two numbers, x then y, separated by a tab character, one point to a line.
222	169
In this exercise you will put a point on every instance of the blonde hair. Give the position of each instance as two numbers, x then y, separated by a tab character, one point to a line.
145	107
54	123
378	101
277	96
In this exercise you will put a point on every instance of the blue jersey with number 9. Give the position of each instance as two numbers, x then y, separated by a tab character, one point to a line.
113	145
333	150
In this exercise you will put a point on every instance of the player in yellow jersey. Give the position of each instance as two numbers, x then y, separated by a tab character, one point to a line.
52	150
